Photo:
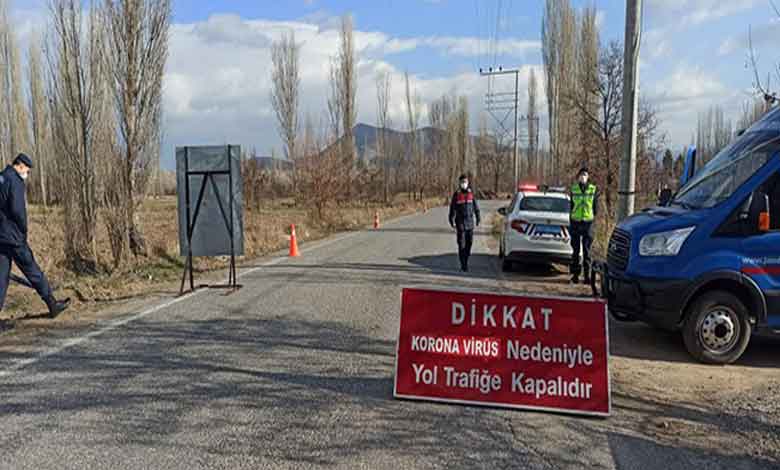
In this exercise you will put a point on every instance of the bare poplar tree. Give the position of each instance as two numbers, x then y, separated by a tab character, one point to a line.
439	116
21	129
551	39
135	52
383	87
413	110
15	130
76	88
713	132
335	106
587	70
7	143
559	38
464	138
39	118
342	103
285	91
603	122
533	125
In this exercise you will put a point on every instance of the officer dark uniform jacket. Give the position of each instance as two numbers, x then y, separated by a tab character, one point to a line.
464	216
13	236
584	209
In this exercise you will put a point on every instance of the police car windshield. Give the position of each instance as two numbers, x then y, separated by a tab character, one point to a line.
733	165
544	204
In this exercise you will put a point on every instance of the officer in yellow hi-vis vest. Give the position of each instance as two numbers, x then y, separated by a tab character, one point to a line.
584	208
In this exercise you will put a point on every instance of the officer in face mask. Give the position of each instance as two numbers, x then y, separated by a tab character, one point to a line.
13	235
584	208
464	217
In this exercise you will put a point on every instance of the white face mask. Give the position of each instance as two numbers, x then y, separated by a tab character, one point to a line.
464	185
25	175
584	179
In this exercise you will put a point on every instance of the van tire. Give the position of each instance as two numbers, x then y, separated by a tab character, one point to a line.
506	265
717	328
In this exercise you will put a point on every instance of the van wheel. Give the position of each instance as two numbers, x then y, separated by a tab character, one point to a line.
506	265
717	328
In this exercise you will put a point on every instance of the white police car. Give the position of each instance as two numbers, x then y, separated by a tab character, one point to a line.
536	228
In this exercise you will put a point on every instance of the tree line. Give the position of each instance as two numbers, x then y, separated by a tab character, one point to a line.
327	171
88	108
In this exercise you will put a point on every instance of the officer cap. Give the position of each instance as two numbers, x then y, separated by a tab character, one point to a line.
22	158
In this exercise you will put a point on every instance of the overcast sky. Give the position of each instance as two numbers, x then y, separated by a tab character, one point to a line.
217	83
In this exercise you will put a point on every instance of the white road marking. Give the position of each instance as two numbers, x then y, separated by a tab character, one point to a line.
73	342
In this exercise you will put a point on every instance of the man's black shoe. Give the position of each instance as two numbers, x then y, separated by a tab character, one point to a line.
575	280
58	307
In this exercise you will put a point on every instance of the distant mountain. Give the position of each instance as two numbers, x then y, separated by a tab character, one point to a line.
366	140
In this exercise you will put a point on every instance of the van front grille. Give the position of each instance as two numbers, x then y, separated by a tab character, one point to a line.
619	250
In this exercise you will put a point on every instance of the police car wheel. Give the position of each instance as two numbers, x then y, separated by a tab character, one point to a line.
506	265
717	328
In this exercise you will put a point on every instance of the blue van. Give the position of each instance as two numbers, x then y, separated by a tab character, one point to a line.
707	261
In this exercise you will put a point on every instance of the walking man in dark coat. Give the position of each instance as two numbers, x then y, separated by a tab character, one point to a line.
464	217
13	235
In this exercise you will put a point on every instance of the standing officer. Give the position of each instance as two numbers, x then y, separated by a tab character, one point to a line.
584	208
13	235
464	216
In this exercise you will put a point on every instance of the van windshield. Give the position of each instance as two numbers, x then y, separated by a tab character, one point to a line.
732	166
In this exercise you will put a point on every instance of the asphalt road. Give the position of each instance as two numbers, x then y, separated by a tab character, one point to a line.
295	370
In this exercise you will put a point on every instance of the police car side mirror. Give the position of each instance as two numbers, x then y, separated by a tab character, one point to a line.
502	211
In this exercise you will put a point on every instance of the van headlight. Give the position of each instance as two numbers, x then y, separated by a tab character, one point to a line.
664	243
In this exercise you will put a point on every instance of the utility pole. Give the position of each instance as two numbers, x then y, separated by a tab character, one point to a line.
627	189
498	102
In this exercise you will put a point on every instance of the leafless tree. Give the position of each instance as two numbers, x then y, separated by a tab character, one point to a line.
342	108
320	170
6	114
413	110
752	111
440	117
76	89
533	125
383	87
713	132
285	91
135	52
39	119
603	122
15	123
559	37
463	136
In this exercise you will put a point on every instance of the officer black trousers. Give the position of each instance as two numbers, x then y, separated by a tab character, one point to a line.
23	257
465	240
581	236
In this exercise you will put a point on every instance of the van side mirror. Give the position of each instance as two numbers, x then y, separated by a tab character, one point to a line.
758	215
665	197
502	211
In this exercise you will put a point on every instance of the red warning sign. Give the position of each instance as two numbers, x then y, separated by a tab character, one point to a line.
541	353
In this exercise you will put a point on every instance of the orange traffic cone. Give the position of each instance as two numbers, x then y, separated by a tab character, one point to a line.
294	253
376	220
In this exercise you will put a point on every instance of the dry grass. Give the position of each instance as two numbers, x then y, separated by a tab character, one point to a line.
266	230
